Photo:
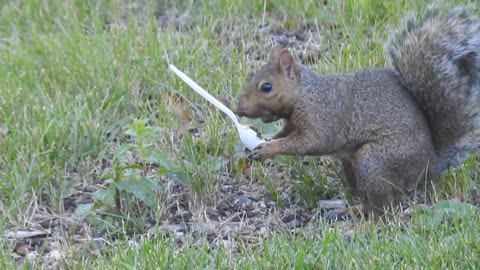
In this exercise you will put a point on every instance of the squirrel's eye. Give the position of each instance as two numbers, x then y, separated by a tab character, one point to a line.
266	87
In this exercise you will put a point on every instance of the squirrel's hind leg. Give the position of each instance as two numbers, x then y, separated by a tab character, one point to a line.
377	183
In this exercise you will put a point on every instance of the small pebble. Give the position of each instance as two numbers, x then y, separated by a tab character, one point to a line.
22	250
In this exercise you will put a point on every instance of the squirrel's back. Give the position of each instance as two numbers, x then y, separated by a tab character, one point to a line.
437	58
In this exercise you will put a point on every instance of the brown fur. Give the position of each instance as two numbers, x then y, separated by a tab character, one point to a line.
394	130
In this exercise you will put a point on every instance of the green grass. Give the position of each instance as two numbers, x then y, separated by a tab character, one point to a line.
453	245
74	75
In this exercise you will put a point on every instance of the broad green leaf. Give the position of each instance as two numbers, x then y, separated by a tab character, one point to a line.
178	176
109	181
140	189
102	222
452	209
160	158
445	211
107	173
131	167
106	195
161	172
216	162
131	132
152	184
122	149
83	210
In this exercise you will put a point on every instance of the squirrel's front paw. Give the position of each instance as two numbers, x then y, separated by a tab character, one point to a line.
261	152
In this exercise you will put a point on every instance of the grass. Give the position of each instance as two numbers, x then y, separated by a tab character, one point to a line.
75	75
448	246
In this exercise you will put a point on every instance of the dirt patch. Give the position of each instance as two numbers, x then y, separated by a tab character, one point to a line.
244	213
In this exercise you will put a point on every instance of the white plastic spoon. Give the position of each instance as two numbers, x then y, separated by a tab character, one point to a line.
247	135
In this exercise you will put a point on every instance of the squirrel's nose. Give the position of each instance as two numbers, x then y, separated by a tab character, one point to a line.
242	106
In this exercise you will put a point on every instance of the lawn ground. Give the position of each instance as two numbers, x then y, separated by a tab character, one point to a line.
108	161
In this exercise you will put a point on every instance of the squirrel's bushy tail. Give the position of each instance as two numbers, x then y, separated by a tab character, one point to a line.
437	58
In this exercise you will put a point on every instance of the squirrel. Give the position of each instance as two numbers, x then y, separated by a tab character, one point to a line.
394	129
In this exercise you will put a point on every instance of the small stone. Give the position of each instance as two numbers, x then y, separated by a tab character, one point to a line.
331	204
21	250
294	223
254	213
242	202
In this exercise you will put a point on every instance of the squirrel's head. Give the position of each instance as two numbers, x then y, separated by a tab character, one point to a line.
271	93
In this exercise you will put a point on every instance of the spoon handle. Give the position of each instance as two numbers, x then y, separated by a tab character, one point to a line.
205	94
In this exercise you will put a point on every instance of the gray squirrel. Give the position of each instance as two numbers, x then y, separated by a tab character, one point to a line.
393	129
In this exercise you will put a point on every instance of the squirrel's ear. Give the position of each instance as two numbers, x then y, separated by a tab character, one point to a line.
276	50
287	64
